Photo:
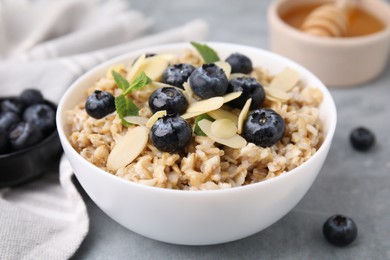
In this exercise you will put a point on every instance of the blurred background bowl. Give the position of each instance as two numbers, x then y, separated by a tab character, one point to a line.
337	62
22	166
196	217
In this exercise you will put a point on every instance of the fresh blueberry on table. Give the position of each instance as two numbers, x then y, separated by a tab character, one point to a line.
171	134
362	139
12	105
264	127
169	99
24	135
250	88
42	116
239	63
99	104
177	74
31	97
340	230
8	119
209	81
3	141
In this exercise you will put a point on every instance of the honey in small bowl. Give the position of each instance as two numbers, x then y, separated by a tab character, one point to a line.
360	21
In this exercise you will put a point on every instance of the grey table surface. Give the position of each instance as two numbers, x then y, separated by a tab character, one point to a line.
350	182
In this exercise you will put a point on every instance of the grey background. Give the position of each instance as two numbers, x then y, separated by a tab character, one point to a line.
353	183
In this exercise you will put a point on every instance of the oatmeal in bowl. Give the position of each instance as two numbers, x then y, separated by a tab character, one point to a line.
235	133
225	123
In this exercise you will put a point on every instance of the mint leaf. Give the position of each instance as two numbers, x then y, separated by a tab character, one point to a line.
139	82
120	81
125	107
197	129
208	54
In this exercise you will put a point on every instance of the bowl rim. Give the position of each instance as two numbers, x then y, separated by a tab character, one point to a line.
274	17
183	45
46	140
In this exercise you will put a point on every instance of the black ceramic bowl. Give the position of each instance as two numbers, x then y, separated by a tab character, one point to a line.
25	165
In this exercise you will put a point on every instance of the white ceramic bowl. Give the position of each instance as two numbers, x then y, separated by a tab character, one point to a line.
197	217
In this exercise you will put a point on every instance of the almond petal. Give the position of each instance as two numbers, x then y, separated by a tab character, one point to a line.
285	80
128	148
277	93
136	120
206	105
136	68
243	114
154	67
225	66
231	96
223	114
235	141
155	117
223	128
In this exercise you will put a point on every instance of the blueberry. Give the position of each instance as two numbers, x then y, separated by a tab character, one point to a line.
8	119
250	88
171	134
99	104
177	74
31	97
13	105
24	135
340	230
209	81
3	141
239	63
42	116
264	127
362	139
169	99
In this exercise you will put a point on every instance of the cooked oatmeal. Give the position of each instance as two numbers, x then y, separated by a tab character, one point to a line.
205	164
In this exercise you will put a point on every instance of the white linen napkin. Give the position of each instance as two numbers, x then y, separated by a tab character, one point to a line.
48	48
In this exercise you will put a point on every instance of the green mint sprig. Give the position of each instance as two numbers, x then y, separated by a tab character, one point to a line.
207	53
197	129
123	105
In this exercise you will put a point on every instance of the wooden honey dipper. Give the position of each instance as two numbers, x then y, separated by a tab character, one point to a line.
329	20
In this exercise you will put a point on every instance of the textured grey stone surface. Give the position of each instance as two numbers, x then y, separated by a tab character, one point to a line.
352	183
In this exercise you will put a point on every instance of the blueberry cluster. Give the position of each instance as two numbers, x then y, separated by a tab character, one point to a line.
264	127
24	121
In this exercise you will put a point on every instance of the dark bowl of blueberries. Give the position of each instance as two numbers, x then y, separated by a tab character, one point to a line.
29	143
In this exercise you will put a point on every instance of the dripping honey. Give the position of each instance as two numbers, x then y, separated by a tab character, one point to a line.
360	22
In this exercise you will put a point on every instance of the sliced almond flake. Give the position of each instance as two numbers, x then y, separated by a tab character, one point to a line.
235	141
136	68
120	68
285	80
231	96
223	114
191	115
188	92
206	105
238	75
136	120
155	117
128	148
243	114
225	66
168	57
223	128
154	67
277	93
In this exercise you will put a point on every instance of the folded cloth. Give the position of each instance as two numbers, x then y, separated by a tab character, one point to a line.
54	43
